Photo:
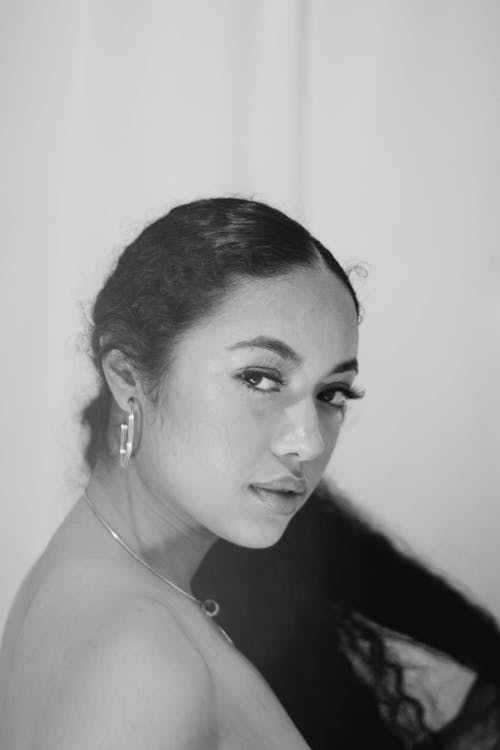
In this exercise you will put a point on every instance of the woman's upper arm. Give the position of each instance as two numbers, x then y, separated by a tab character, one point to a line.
132	685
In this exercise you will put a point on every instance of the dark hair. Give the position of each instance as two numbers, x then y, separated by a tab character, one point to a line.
317	614
177	271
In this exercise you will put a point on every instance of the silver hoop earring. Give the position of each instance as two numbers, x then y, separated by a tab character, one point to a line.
127	436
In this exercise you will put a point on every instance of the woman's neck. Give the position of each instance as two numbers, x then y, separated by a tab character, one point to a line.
153	527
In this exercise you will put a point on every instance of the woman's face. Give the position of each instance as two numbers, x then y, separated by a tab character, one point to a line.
254	397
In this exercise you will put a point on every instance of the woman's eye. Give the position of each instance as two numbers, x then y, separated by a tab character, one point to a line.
259	381
338	396
334	397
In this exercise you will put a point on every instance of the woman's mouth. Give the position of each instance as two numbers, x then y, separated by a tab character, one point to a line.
282	502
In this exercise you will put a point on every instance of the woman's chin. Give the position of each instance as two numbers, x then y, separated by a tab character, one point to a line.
258	535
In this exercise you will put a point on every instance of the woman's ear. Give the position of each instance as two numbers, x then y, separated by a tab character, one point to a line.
120	377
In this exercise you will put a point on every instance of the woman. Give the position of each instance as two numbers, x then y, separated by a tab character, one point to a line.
226	341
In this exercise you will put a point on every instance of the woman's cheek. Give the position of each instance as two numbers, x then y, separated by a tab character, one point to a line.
236	445
330	436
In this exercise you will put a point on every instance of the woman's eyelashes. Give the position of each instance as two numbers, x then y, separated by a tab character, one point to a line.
339	394
265	382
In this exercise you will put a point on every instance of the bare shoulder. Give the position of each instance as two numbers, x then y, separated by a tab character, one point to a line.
133	679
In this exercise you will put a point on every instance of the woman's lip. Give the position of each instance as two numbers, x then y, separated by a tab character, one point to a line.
288	483
282	503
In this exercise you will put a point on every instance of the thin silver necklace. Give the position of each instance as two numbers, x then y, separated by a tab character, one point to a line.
209	607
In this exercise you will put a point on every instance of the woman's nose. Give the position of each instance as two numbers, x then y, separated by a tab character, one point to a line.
299	432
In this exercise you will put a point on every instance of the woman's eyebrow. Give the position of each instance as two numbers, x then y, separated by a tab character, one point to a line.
275	345
287	353
346	366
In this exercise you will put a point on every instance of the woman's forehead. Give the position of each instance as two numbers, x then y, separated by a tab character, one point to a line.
292	298
308	309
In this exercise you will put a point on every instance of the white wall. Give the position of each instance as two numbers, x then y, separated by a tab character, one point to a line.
374	122
403	171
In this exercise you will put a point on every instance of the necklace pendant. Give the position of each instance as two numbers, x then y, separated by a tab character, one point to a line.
210	607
